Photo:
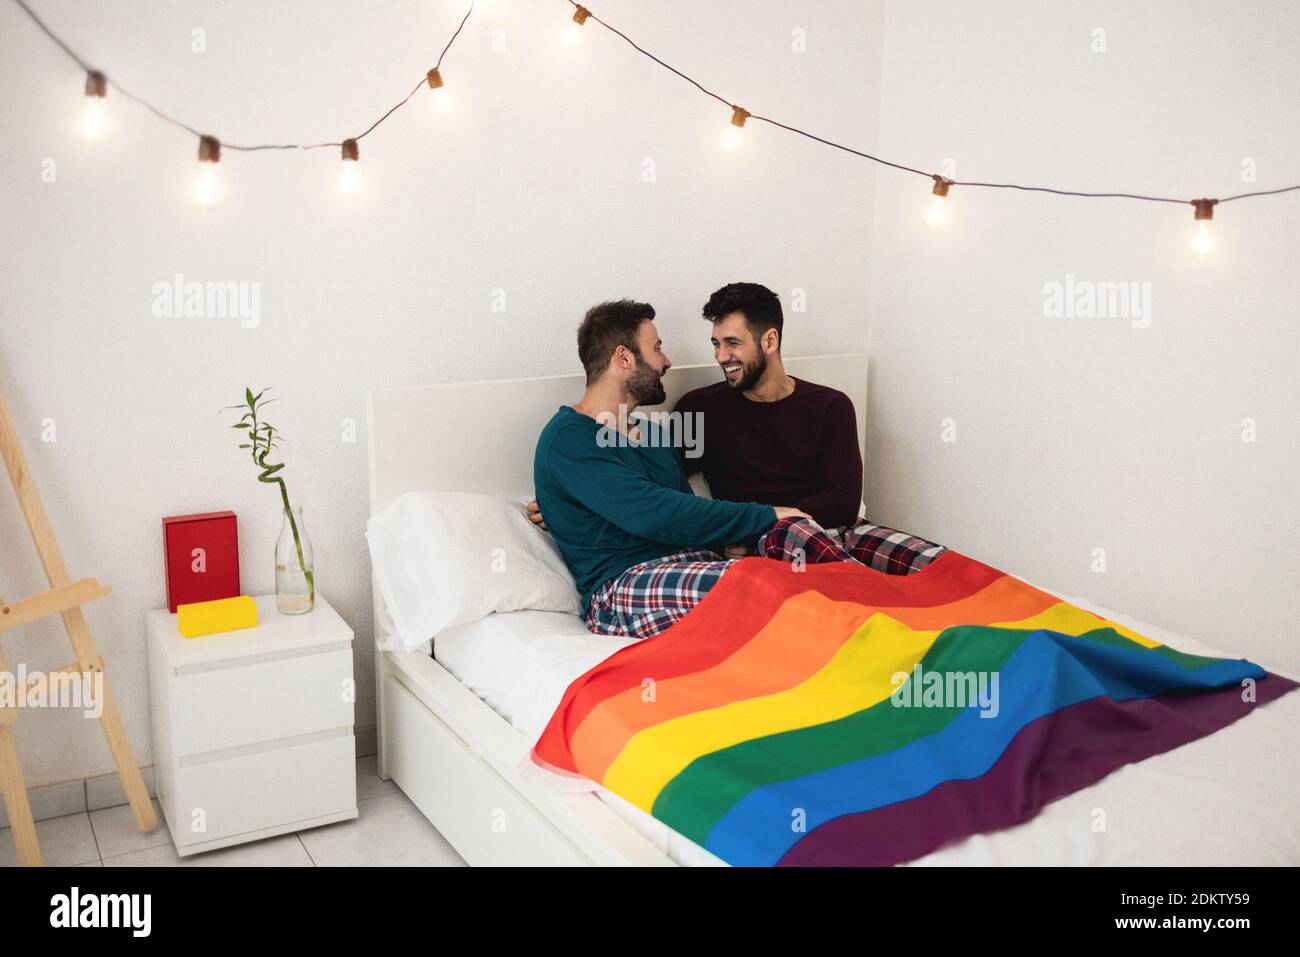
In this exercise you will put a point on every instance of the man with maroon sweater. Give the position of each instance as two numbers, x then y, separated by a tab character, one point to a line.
771	438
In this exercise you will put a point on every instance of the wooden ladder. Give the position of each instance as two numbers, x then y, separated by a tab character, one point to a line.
65	597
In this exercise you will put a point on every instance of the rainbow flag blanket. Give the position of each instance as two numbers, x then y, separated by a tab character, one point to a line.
836	715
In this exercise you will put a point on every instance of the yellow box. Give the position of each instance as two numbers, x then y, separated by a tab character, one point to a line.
209	617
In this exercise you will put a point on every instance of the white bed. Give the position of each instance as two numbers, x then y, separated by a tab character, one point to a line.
455	732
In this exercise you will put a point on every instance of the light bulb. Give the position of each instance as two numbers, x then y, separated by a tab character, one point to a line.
94	118
934	214
1203	241
350	178
732	139
573	33
441	102
208	188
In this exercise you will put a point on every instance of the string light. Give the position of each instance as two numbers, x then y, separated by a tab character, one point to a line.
94	118
935	211
208	188
350	178
934	214
1203	241
573	34
732	139
95	124
441	100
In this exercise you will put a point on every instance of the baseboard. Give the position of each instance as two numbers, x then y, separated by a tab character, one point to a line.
105	790
82	794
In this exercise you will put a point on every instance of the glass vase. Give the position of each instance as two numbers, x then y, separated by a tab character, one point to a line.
295	587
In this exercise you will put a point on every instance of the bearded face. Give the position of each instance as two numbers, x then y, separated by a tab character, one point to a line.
744	373
737	352
646	384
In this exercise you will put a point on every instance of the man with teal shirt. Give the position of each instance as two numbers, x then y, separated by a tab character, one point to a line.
643	549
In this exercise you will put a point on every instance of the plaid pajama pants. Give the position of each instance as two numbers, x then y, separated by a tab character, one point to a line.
648	597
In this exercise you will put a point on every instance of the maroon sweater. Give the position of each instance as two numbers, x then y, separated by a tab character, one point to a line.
800	451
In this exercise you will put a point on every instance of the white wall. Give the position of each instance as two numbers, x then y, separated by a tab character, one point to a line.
1076	434
533	185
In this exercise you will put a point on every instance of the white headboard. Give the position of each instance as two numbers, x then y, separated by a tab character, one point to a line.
480	436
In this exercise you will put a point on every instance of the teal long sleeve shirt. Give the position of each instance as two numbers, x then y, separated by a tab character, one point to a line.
610	506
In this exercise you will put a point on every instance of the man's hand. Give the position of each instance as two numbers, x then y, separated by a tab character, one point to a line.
535	515
783	511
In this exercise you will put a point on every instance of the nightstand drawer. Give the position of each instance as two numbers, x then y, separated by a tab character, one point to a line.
228	704
243	793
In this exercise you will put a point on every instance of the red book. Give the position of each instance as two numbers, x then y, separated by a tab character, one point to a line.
201	556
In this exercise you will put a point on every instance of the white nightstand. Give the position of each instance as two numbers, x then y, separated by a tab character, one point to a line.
253	729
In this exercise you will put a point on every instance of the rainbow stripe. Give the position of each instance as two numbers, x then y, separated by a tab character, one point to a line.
833	715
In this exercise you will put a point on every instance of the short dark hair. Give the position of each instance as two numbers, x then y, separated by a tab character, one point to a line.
758	304
604	328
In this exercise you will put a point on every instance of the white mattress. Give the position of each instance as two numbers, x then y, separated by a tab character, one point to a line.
1232	798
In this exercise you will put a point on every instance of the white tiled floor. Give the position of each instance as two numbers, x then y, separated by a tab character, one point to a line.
389	832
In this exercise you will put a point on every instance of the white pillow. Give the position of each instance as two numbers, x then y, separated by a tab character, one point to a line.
450	558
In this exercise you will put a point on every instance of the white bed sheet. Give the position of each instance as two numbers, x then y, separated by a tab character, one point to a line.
520	664
1232	798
